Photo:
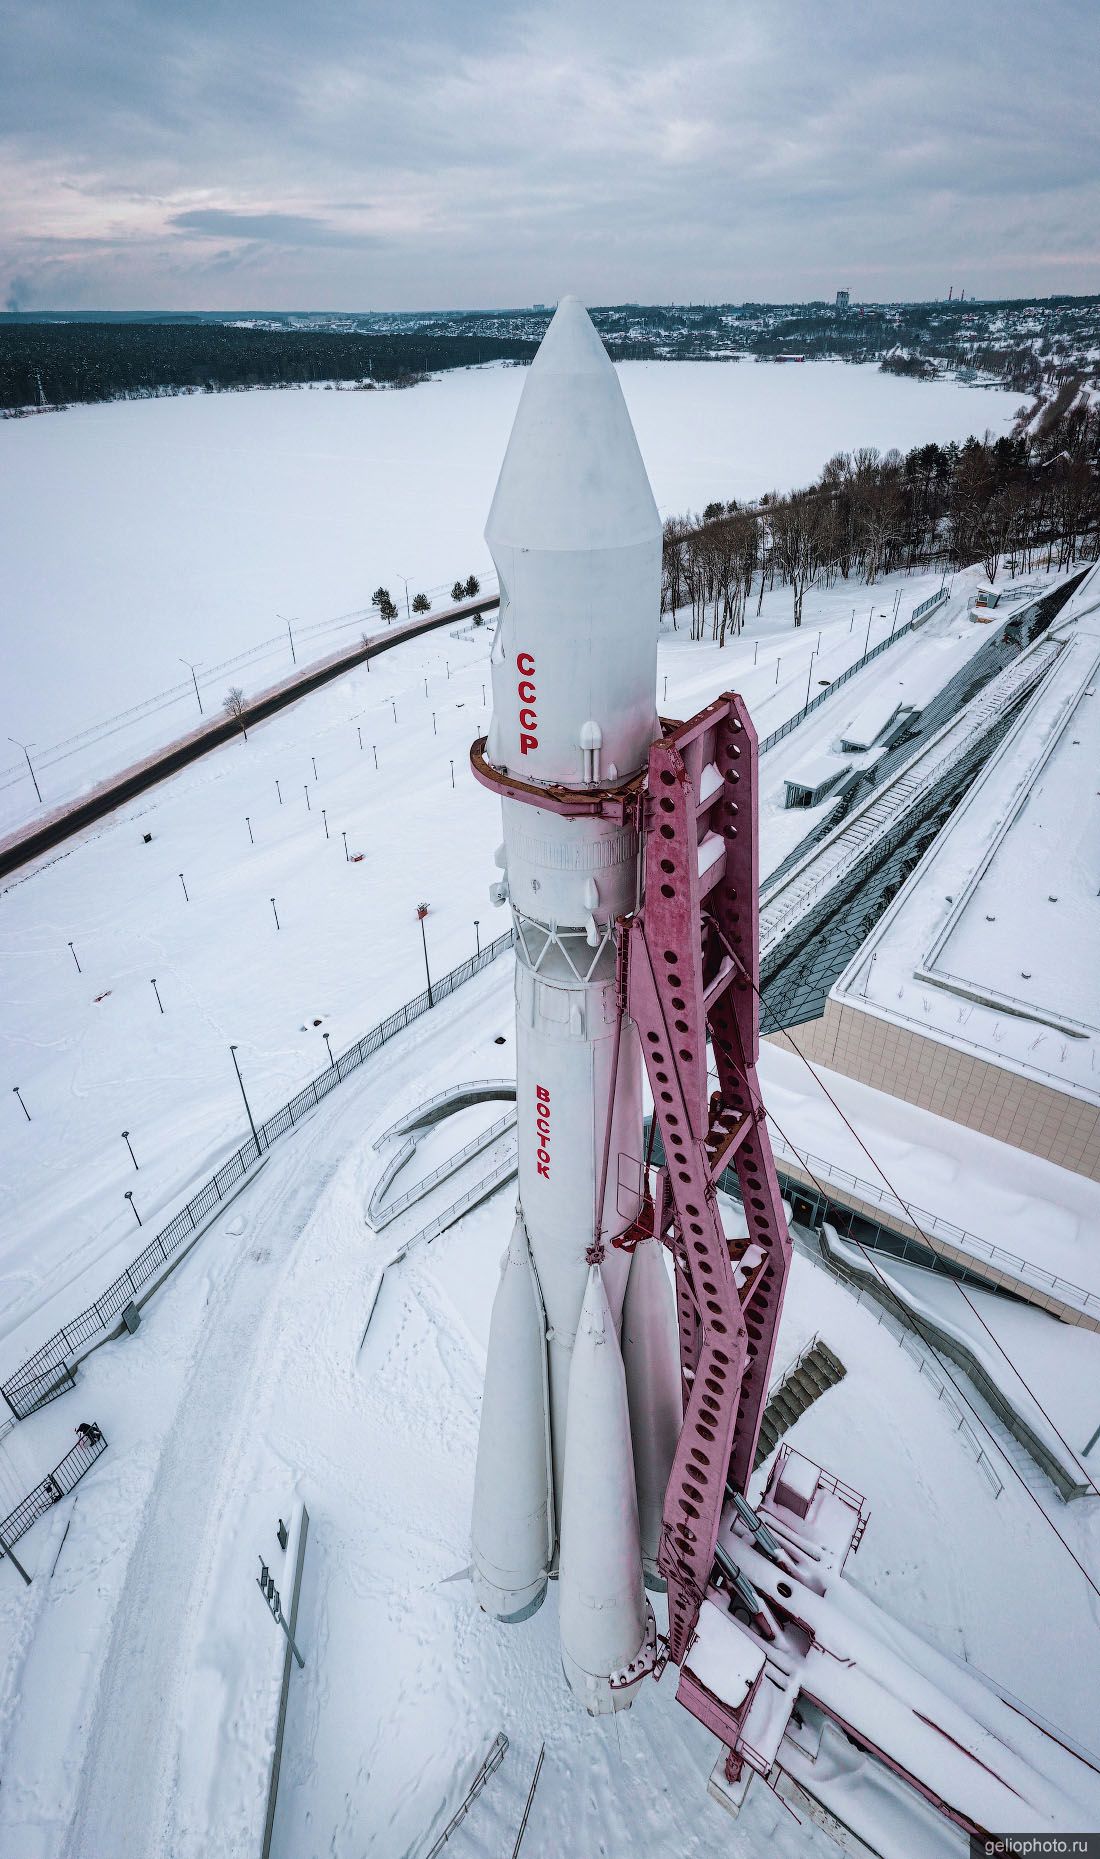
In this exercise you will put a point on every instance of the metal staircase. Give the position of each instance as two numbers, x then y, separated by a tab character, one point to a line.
809	890
816	1370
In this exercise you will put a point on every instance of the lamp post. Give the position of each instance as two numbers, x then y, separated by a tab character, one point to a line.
344	837
73	953
244	1094
30	765
22	1105
324	821
408	611
278	925
194	680
327	1037
156	991
6	1549
129	1196
421	912
130	1147
477	933
290	636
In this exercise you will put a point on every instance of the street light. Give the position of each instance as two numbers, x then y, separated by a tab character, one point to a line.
405	578
289	634
129	1196
26	751
810	674
130	1147
244	1094
477	933
327	1037
194	680
422	911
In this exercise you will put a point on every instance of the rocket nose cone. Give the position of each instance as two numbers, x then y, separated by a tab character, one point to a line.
573	477
571	344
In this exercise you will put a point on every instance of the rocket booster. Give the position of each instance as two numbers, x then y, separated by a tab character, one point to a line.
576	539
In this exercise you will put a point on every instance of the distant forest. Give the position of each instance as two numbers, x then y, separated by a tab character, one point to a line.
59	364
52	359
1022	502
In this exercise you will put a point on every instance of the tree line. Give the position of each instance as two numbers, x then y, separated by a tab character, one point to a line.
61	364
1019	502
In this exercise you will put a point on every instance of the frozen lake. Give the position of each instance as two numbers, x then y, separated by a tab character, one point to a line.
137	533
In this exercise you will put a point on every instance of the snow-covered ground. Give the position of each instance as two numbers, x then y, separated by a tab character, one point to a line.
137	1685
92	1054
137	1676
135	534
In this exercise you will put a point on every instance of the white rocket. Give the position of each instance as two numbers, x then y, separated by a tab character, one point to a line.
582	1393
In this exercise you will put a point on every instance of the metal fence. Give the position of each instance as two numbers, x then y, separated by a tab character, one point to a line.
923	1360
1009	1264
46	1372
492	1761
918	613
55	1486
389	1210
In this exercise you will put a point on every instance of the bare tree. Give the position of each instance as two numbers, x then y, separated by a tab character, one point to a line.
233	705
797	527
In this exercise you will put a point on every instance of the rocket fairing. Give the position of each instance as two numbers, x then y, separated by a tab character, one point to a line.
576	539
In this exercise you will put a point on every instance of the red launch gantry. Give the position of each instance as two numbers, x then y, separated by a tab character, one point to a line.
621	1417
804	1680
690	963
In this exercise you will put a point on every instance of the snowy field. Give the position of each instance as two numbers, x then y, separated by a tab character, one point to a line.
138	1675
251	1382
90	1050
135	534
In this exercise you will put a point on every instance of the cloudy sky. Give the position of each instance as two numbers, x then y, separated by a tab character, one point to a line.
435	153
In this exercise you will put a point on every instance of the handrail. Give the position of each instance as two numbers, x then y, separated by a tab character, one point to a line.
450	1214
917	1351
938	1228
390	1209
409	1118
55	1486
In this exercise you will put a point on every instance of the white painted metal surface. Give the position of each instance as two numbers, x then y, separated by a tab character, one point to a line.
512	1538
576	539
651	1358
603	1609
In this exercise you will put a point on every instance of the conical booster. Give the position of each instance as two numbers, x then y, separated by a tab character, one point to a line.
651	1358
604	1617
512	1533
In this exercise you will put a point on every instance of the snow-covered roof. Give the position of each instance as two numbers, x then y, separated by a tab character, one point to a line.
813	770
991	946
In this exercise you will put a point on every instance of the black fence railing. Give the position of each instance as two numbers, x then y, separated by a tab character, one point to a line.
899	632
55	1486
46	1373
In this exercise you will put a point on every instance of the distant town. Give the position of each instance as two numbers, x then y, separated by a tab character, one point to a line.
53	358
